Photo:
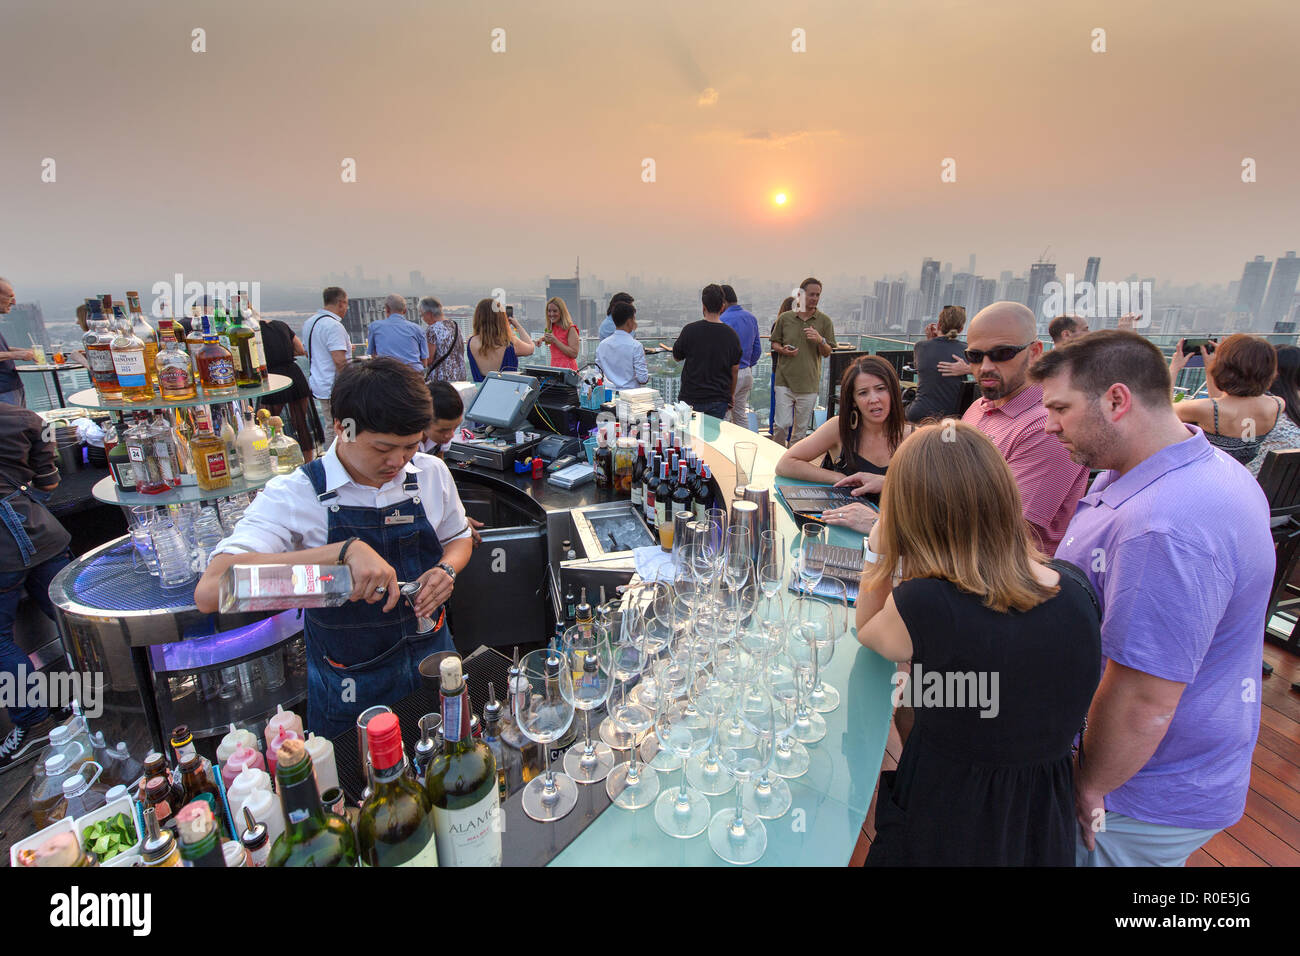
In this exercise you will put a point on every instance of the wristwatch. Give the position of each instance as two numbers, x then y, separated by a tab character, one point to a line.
451	572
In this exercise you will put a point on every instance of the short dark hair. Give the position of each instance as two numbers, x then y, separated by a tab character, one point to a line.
332	294
615	299
712	298
383	395
809	281
623	313
1060	325
447	402
729	294
1244	365
1101	359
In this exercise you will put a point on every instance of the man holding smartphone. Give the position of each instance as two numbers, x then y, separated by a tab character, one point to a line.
802	337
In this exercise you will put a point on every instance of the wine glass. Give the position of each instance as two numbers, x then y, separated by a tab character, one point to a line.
767	795
771	562
824	698
657	757
685	730
812	554
790	759
732	731
544	713
628	785
713	700
736	834
592	663
809	726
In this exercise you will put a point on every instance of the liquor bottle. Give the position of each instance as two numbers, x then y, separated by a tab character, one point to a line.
145	332
570	604
395	827
243	347
232	451
523	755
583	618
425	747
254	322
98	345
703	494
127	350
255	840
683	496
638	477
119	459
651	482
254	450
175	370
144	467
245	327
286	454
208	452
159	847
312	836
462	783
492	737
165	457
272	587
220	324
200	835
663	502
194	341
604	463
215	366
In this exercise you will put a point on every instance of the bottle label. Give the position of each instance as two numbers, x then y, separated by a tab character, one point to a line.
661	513
700	511
135	452
130	368
173	378
216	462
235	357
638	494
162	456
306	579
471	836
101	360
221	373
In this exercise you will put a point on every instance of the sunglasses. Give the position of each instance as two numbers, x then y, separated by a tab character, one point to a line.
999	353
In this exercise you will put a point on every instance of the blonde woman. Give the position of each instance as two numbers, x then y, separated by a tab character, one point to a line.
561	335
497	343
1005	652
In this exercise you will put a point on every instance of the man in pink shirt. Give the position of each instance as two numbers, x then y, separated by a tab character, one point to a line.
1001	343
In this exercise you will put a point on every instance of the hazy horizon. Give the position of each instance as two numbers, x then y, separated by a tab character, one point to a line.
226	164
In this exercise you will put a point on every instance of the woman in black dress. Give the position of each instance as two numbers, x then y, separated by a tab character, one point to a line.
281	346
938	393
1005	651
853	449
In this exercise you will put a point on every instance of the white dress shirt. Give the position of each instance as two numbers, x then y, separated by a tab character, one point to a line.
622	359
323	334
286	516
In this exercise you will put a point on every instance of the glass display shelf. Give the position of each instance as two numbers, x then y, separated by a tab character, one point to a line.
89	398
107	491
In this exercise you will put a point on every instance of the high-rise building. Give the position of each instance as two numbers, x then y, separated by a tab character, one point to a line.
1017	290
365	309
1040	273
25	324
971	267
1281	290
1254	282
963	291
911	307
985	295
929	289
1004	282
945	274
417	280
1090	272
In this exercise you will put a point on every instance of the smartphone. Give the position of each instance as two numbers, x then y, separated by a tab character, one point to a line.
1195	358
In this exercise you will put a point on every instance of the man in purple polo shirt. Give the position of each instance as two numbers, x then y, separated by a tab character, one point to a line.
1175	538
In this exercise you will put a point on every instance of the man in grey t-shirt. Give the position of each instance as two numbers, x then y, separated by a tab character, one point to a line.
328	350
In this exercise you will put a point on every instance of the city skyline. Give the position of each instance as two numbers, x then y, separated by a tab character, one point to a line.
470	162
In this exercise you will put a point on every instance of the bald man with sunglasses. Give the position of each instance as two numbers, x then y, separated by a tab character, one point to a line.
1001	344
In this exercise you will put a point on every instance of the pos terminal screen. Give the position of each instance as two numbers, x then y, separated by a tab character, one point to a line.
498	402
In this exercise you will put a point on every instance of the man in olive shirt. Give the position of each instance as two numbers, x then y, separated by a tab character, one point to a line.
802	338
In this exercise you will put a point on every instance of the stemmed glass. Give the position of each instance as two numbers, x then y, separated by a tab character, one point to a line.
770	564
592	664
790	758
627	785
732	731
685	730
808	619
713	700
657	757
812	556
736	834
544	714
824	698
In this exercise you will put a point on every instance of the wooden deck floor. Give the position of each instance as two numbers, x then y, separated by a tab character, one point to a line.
1269	832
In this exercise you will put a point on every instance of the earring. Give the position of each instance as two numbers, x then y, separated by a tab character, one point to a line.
853	422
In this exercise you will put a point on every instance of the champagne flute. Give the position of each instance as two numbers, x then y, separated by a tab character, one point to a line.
824	698
683	812
544	713
628	785
771	562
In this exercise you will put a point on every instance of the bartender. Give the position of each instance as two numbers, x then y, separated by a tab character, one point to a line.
388	512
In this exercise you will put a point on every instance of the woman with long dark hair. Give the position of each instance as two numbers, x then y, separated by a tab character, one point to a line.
853	449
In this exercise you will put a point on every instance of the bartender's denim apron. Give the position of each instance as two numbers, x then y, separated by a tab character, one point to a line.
358	656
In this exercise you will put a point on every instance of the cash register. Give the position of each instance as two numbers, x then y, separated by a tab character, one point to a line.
498	418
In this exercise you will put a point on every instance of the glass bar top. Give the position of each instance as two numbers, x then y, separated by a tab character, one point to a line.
106	490
89	398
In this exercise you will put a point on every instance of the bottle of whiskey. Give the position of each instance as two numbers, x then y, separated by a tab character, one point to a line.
208	453
243	346
194	341
129	363
175	371
215	366
145	332
98	342
244	318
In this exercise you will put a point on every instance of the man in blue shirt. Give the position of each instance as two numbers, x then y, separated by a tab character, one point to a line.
744	324
397	336
621	357
607	326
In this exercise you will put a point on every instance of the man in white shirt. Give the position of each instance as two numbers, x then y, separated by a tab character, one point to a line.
328	350
621	357
387	512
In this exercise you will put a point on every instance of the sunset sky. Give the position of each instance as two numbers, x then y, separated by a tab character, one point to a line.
474	163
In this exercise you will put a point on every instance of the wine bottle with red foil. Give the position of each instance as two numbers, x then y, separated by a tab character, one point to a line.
462	783
395	827
312	836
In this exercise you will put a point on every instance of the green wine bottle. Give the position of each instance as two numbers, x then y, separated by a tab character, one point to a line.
395	827
311	837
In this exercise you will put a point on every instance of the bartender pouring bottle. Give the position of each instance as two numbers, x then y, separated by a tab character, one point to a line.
390	514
